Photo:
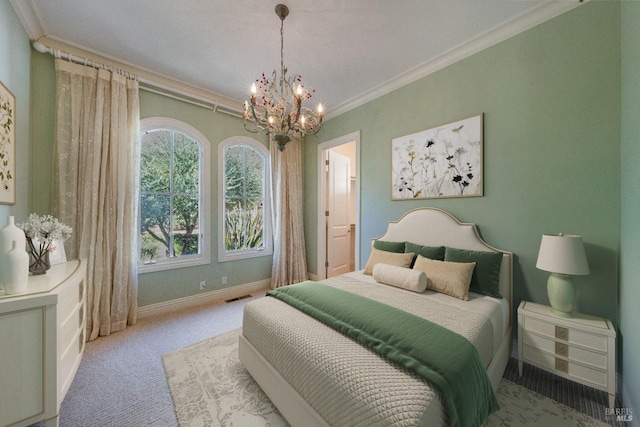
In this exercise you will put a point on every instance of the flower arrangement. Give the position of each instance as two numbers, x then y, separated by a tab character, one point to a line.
41	232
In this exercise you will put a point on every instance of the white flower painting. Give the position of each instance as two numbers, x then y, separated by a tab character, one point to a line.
444	161
7	146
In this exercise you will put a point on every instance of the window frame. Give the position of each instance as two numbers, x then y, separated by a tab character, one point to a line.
204	221
223	254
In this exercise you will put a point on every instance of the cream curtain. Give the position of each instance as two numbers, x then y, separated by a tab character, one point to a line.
94	187
289	258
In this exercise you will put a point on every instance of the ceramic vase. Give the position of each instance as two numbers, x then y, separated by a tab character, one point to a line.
15	268
8	234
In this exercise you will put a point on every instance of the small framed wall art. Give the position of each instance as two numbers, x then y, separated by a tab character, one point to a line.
7	146
443	161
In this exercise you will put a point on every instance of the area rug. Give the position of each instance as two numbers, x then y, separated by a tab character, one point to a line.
210	387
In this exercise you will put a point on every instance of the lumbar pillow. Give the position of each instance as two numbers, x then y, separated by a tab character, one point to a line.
451	278
486	277
400	277
377	256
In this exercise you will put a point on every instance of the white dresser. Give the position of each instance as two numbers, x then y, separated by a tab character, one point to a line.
41	343
581	348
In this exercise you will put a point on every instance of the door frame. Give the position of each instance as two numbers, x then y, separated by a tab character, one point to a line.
322	200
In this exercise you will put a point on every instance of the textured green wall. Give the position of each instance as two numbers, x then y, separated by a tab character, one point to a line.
628	331
14	74
551	103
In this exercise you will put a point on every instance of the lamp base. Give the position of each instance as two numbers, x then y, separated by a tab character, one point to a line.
562	294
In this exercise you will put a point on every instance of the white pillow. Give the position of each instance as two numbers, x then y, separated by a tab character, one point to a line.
400	277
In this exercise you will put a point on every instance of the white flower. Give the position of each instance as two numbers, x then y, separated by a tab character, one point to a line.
44	229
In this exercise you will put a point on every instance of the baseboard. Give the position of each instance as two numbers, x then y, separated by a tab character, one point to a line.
212	297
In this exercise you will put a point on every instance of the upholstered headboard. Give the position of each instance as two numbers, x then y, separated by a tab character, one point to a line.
435	227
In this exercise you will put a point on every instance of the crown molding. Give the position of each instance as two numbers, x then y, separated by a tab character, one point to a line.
148	78
29	17
491	37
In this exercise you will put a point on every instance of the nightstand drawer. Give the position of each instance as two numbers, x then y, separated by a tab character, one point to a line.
575	354
583	374
572	336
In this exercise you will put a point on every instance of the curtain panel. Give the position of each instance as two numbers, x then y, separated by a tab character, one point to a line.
95	187
289	252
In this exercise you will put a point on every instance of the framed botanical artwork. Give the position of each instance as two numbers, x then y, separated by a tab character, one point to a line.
7	146
444	161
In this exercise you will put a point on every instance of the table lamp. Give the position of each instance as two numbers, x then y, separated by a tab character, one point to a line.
563	256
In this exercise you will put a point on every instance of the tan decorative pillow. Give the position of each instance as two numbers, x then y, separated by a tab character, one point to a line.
451	278
393	258
400	277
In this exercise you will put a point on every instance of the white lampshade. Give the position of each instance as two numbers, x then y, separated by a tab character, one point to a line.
563	254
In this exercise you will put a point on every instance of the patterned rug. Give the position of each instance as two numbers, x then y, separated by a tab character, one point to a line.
210	387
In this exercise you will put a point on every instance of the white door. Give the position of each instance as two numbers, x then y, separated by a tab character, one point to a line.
339	218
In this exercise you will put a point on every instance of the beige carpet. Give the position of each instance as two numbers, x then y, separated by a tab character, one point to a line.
210	387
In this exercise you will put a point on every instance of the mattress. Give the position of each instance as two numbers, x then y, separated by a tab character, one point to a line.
347	384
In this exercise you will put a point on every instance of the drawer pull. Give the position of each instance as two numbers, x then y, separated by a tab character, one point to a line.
80	290
81	316
562	365
562	333
562	349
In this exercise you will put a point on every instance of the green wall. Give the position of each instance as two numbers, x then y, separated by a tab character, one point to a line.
154	287
14	74
551	103
628	331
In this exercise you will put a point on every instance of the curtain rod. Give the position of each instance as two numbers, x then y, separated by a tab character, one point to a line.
149	85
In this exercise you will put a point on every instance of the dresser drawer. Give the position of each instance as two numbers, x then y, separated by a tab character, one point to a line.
576	354
585	375
69	360
572	336
69	328
68	298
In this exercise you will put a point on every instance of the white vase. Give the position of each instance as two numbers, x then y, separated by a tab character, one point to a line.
8	234
15	268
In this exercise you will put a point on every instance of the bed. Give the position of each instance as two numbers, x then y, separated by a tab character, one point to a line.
316	376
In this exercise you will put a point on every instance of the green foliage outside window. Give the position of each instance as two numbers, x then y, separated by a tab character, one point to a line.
169	193
244	194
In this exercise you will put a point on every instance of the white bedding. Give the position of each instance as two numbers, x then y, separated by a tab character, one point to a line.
496	309
350	385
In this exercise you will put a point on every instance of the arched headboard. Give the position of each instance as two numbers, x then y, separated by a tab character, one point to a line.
435	227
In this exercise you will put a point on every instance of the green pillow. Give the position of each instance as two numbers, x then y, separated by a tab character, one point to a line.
486	275
397	247
431	252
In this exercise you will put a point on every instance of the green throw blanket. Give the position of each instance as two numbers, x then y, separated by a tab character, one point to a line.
444	358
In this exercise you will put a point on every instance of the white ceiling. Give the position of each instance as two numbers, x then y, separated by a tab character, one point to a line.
350	51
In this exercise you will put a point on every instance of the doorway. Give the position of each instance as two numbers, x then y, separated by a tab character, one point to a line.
338	205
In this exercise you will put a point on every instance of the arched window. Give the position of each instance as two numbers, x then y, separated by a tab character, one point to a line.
173	219
244	220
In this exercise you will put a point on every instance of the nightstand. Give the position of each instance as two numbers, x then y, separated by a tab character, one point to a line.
581	348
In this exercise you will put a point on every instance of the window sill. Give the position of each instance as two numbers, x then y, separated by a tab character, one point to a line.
172	265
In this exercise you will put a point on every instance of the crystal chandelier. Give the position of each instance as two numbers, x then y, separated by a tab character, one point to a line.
275	106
